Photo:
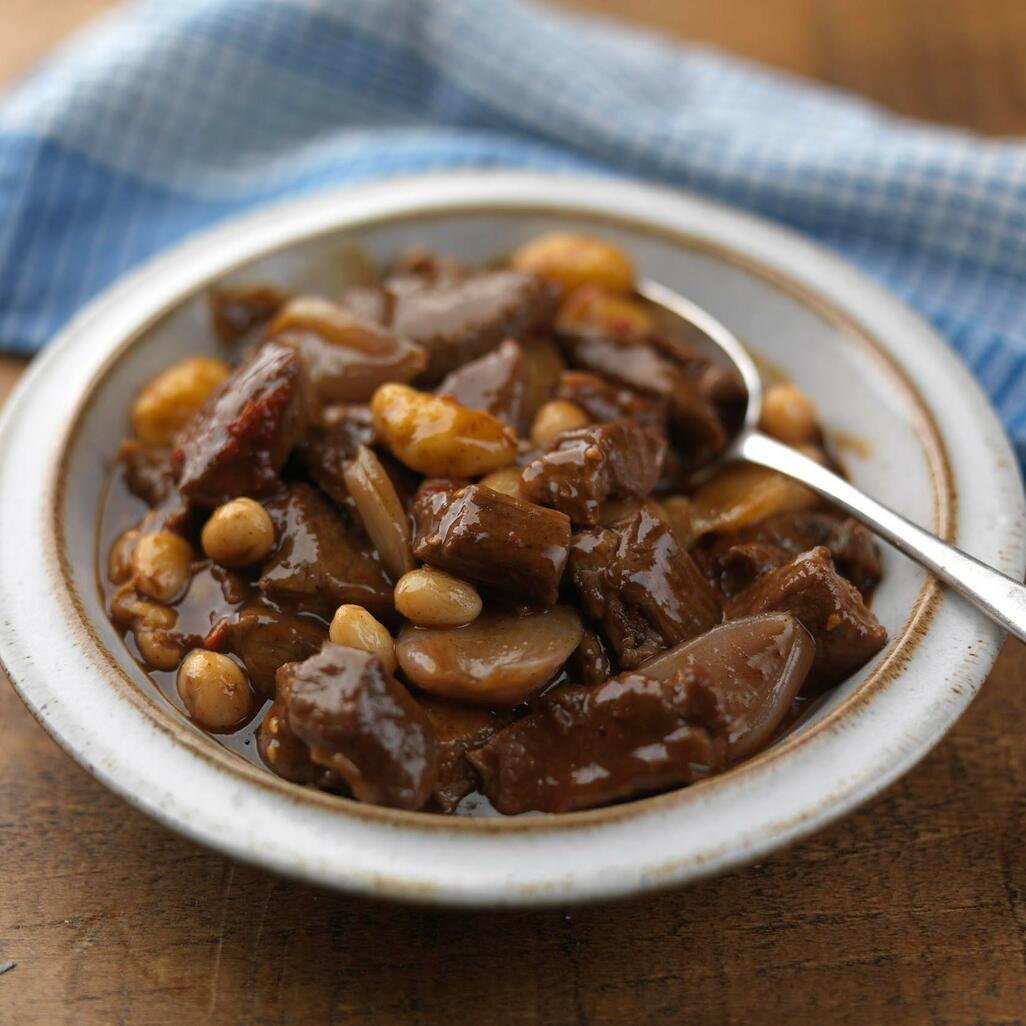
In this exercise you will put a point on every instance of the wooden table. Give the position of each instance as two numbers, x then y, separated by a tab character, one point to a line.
912	911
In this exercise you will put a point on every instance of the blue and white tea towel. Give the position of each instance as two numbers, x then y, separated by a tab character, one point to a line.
166	117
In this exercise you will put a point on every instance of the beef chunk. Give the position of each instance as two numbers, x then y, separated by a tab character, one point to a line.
698	432
147	472
503	543
586	746
640	587
347	356
458	319
459	729
287	755
242	436
619	459
320	563
602	400
745	563
359	721
331	443
239	311
265	638
493	383
694	709
779	538
846	633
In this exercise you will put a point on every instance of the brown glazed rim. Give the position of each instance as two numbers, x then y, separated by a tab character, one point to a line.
897	654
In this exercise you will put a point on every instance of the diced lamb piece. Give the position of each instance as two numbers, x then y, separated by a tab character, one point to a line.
238	312
320	563
692	711
460	729
586	746
147	472
265	638
852	547
331	443
287	755
846	633
603	400
347	356
507	545
493	383
359	721
241	437
640	587
458	320
619	459
698	432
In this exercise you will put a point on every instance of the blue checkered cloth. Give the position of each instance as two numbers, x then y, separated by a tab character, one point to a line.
166	117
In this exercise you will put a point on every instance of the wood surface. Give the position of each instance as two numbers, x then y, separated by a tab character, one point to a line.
911	911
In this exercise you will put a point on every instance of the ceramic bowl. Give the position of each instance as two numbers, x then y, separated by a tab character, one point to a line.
929	445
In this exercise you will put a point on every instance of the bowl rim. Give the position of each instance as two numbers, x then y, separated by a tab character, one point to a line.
192	265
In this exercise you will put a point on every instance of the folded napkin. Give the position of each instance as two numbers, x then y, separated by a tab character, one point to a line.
166	117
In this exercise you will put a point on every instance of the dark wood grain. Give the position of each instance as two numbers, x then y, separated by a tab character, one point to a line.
911	911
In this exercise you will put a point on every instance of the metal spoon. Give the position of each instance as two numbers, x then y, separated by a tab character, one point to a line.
1000	597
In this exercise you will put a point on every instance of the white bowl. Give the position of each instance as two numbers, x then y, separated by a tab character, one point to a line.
934	450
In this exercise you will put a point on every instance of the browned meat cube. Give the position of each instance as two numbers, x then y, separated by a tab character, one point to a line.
265	638
830	608
289	757
147	471
330	444
619	459
359	721
602	400
320	563
503	543
695	709
698	432
493	383
641	587
458	318
242	436
747	554
239	311
459	729
586	746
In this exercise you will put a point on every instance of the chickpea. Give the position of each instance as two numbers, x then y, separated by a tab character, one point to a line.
570	260
238	534
788	414
354	627
554	417
214	690
162	564
128	610
507	480
595	307
173	396
437	436
433	598
119	559
158	648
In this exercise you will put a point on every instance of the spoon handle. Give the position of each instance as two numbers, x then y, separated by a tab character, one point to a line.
1000	597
